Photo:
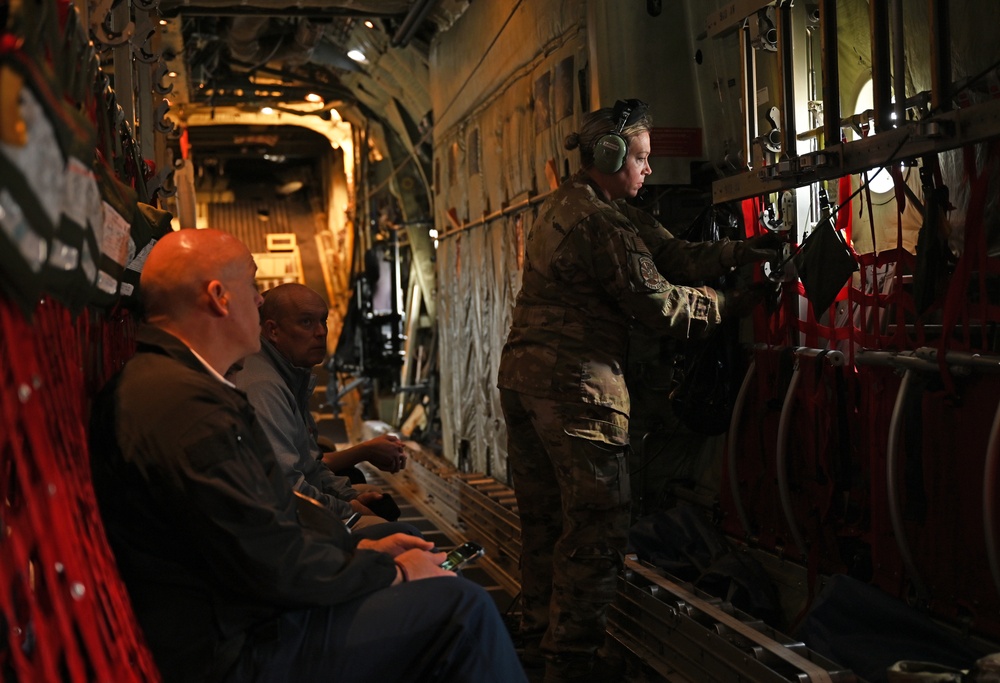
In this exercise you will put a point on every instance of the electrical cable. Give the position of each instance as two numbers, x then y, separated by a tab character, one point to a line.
780	266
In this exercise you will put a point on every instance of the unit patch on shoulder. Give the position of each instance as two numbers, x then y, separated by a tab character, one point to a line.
650	275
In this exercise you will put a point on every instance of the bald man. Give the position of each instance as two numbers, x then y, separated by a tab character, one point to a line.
279	381
234	577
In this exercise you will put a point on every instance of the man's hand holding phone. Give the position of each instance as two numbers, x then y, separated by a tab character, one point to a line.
464	553
415	560
419	564
396	544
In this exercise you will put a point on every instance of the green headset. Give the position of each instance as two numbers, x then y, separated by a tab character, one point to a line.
611	148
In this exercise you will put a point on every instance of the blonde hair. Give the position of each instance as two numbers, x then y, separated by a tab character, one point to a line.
601	122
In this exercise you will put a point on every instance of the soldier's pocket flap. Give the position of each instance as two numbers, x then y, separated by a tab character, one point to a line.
612	431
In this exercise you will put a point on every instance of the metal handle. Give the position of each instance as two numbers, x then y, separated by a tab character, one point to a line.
892	488
834	358
734	423
991	469
781	458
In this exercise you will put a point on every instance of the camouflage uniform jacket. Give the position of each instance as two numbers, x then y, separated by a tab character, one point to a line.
589	274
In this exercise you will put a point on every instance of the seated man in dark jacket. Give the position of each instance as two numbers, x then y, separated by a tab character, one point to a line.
278	380
233	576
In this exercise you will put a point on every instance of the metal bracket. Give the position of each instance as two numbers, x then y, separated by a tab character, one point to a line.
100	16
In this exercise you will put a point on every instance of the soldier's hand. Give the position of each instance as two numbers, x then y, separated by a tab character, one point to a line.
765	247
740	303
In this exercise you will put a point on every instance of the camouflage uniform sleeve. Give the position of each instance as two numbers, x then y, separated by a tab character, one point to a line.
624	267
679	260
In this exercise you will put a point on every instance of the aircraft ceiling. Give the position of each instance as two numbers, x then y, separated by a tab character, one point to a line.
231	58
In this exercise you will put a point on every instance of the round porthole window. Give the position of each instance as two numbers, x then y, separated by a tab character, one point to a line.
881	182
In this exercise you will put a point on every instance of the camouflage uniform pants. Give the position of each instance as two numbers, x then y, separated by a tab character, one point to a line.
573	500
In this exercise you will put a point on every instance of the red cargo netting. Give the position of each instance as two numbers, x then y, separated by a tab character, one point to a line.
64	611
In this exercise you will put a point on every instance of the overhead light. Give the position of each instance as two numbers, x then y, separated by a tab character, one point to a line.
357	55
266	110
313	97
369	24
172	74
291	187
163	22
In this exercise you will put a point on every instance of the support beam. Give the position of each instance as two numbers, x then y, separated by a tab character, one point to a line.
878	13
831	72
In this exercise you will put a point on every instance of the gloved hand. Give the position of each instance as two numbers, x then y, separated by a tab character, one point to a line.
740	303
765	247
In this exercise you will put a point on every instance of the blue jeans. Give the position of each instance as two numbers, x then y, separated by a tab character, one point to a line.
440	629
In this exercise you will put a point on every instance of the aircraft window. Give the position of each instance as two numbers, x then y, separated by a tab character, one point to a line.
452	164
543	113
564	89
882	181
472	152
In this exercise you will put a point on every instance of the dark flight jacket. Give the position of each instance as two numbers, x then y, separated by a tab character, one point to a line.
207	533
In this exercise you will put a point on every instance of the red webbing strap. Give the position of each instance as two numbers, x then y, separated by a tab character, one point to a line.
67	614
750	213
845	224
899	338
870	264
876	293
813	331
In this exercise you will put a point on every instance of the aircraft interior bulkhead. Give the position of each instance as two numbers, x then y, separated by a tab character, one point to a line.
815	487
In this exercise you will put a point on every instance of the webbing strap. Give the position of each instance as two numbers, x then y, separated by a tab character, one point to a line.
973	255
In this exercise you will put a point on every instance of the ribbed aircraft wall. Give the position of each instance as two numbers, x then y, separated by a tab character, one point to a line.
509	82
505	88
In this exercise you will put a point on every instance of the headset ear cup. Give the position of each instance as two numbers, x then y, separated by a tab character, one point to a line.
609	153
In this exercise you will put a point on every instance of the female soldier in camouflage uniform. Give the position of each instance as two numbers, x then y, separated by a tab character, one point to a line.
590	271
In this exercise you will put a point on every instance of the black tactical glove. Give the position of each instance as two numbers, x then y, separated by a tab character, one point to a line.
766	247
739	303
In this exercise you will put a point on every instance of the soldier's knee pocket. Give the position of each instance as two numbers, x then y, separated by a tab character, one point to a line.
598	555
605	483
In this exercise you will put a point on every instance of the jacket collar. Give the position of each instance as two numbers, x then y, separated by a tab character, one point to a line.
582	177
154	339
298	379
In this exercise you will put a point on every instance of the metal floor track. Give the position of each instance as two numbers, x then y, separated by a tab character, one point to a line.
667	630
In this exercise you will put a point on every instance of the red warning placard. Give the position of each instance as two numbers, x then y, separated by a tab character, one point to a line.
675	142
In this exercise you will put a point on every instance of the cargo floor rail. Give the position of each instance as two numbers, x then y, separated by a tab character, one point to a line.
685	634
681	633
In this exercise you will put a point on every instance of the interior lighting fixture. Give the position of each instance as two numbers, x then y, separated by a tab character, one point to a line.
313	97
267	111
369	24
357	56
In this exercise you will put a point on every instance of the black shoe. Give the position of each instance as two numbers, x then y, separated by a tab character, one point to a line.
601	668
531	656
563	669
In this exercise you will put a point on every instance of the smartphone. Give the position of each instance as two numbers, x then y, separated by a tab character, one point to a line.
462	554
352	520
